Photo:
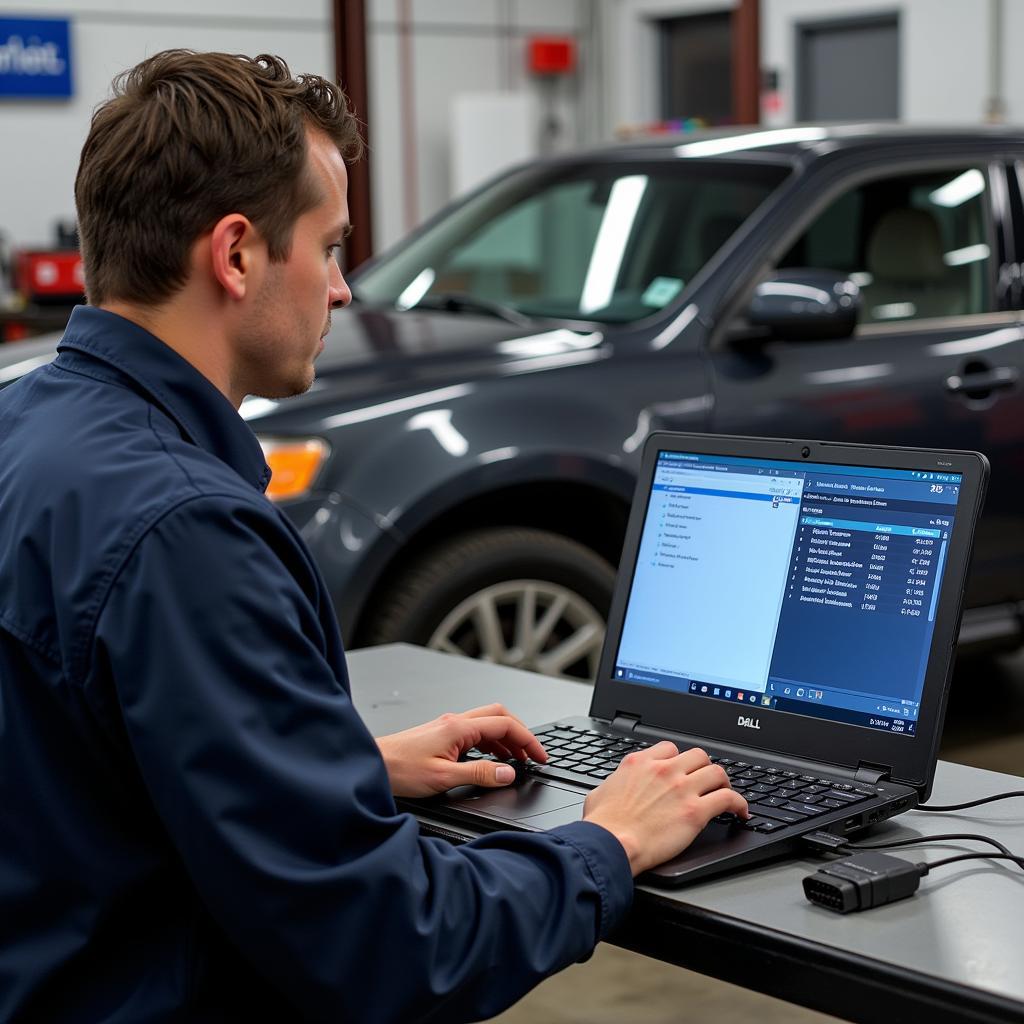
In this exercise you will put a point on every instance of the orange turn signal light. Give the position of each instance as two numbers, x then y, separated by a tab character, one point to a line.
294	464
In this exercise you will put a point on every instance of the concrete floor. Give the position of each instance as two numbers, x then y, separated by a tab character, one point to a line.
984	728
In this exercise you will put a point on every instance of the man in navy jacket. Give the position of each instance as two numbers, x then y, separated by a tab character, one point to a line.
195	823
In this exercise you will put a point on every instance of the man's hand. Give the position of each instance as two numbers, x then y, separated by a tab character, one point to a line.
658	800
425	760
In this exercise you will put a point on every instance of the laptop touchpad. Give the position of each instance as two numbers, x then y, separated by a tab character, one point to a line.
517	802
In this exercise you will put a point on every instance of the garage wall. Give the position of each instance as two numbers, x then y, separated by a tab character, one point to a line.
633	57
458	47
422	54
944	61
943	54
42	140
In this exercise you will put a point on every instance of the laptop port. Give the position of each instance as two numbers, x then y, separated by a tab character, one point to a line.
851	823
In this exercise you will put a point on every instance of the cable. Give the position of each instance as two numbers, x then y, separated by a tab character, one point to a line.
925	868
969	803
828	843
927	840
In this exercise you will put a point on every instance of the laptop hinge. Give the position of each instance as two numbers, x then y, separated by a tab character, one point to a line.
627	723
872	774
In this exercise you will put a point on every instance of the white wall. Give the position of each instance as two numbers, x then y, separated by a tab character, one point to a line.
943	53
42	139
944	59
457	47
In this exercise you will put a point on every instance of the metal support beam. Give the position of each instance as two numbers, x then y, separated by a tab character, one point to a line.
746	62
350	71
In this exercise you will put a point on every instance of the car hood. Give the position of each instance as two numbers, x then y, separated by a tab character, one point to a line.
362	335
370	352
373	354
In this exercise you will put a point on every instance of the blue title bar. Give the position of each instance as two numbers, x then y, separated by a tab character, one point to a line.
813	467
35	58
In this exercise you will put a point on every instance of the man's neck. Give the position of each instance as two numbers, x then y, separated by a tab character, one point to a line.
188	334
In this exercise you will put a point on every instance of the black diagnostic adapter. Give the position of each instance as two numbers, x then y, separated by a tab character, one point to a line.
861	882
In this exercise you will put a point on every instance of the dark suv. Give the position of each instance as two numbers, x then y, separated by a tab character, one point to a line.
463	466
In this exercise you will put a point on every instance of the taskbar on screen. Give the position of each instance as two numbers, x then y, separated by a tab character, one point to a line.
801	700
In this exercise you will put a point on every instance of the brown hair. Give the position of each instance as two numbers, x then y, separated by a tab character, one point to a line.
186	139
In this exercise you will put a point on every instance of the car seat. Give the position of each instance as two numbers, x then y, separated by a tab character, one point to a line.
910	278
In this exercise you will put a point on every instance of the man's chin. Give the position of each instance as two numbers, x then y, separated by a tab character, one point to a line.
287	390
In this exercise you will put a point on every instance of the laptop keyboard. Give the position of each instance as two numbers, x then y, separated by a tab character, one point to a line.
777	797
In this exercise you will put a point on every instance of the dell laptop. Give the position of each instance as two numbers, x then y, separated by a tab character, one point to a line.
790	606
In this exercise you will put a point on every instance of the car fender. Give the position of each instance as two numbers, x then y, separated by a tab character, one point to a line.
418	470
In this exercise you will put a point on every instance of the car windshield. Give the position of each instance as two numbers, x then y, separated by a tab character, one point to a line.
612	243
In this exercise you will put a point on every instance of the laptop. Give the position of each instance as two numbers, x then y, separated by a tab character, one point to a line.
792	607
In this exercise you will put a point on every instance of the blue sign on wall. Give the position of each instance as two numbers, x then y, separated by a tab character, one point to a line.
35	58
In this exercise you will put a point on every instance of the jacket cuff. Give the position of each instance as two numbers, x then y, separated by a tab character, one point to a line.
608	865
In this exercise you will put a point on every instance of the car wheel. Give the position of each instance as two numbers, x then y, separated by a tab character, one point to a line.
513	596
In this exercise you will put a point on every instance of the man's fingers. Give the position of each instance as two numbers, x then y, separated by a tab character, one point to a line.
477	773
498	750
694	759
659	751
508	731
709	778
724	801
493	711
500	711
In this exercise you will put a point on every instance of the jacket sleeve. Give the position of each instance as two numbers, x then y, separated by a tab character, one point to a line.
276	798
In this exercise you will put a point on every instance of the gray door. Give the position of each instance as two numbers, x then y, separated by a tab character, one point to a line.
848	70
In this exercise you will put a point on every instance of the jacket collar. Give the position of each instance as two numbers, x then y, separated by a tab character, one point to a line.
203	414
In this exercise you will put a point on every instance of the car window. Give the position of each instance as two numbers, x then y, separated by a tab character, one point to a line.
612	243
917	245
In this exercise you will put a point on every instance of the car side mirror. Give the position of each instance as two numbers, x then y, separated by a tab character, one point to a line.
806	305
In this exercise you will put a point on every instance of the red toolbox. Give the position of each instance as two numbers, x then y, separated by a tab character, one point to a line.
55	276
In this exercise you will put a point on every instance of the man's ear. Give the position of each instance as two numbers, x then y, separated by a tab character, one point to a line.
235	250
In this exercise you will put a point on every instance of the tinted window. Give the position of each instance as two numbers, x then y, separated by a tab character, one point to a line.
916	244
611	243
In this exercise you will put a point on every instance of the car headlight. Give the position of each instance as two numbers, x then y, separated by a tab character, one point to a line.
295	463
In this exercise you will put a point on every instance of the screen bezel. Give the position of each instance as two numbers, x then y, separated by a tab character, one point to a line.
909	759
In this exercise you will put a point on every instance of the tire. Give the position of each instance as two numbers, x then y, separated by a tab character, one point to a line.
513	596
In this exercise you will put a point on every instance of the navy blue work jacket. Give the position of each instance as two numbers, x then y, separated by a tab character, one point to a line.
195	823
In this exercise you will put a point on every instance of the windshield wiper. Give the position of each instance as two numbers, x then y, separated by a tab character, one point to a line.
461	302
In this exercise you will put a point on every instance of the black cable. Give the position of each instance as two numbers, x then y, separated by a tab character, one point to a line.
925	868
918	840
969	803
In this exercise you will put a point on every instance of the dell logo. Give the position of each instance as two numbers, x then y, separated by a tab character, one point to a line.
749	723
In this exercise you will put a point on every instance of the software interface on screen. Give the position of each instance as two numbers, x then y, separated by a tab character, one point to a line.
806	588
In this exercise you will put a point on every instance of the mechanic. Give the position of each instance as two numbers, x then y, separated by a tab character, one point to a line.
196	824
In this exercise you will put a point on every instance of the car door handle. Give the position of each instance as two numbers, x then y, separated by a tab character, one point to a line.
986	380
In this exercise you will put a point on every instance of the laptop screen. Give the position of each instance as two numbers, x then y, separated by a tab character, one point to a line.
804	588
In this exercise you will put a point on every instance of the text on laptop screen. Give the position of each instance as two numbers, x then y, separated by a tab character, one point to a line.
803	587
